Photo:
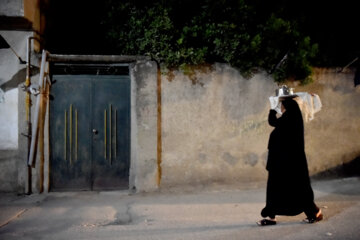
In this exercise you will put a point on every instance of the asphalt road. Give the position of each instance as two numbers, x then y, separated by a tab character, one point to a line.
220	212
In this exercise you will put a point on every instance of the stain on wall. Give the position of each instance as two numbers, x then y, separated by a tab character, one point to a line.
251	159
230	159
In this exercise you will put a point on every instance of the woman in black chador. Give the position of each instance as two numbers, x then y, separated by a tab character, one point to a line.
289	190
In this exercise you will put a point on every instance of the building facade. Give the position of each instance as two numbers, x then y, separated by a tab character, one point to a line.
105	122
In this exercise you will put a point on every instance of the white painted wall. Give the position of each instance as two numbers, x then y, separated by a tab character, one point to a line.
11	7
9	120
11	71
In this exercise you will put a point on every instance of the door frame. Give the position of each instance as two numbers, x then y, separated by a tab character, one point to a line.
145	99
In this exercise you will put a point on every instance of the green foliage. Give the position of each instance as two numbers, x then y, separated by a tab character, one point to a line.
182	33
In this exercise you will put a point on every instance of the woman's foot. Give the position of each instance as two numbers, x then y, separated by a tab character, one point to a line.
319	216
266	222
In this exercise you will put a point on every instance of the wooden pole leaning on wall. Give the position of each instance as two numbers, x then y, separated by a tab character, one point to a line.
35	129
46	183
41	141
28	114
44	101
28	104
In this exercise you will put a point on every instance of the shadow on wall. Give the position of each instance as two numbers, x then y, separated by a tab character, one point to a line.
350	169
18	78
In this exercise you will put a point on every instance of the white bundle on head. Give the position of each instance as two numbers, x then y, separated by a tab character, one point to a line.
309	104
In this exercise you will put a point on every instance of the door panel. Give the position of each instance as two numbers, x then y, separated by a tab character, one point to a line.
111	118
90	132
69	138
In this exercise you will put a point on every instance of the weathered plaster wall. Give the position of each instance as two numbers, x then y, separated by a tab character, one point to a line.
12	72
12	149
143	169
9	120
332	138
217	130
8	170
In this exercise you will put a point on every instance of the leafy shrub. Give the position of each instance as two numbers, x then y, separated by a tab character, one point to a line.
181	33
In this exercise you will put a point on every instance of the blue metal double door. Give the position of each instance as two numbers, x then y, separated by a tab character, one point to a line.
90	132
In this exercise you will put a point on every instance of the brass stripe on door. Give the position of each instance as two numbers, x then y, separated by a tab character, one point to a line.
115	135
65	135
105	144
76	134
69	141
70	134
110	133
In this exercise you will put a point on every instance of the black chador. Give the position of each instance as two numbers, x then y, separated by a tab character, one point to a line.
289	190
